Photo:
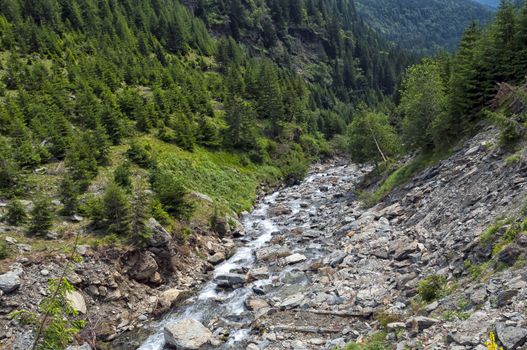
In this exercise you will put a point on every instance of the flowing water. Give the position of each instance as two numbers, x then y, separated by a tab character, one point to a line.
228	306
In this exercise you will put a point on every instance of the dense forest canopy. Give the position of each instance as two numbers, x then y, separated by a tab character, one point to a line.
421	26
267	81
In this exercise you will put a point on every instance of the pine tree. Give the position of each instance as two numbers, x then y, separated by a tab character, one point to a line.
69	193
16	213
122	176
116	210
240	118
42	216
140	214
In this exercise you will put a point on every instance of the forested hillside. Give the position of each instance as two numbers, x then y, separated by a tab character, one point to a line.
422	26
97	94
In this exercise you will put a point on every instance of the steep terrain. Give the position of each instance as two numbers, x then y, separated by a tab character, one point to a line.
427	268
422	26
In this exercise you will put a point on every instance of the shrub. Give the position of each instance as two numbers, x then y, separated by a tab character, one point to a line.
4	252
140	155
16	213
432	287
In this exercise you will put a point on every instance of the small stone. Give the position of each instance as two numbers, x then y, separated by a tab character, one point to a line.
142	318
295	258
44	272
420	323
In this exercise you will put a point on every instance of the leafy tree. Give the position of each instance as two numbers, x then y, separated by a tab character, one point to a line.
116	210
423	102
372	137
16	213
42	216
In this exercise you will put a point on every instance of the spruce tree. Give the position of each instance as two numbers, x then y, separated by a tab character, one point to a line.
42	216
69	193
116	210
16	213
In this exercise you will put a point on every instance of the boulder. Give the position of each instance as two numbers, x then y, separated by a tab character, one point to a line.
160	237
142	266
77	301
403	248
230	280
187	334
216	258
9	281
171	297
511	337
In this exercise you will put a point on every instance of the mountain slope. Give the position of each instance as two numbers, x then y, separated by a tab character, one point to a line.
423	26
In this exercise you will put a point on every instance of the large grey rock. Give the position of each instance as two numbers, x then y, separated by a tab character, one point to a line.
511	337
230	280
292	301
187	334
160	237
143	266
403	249
9	281
77	301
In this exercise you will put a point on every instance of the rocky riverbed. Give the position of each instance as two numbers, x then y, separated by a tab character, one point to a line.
310	268
319	271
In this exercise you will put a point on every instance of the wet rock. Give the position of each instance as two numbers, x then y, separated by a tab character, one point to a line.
187	334
9	281
260	273
279	210
77	301
272	253
230	280
295	259
255	304
510	336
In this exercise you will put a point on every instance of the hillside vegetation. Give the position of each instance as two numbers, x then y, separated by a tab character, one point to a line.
144	95
422	26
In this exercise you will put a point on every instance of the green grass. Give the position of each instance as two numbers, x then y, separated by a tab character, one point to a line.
402	175
223	176
376	342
